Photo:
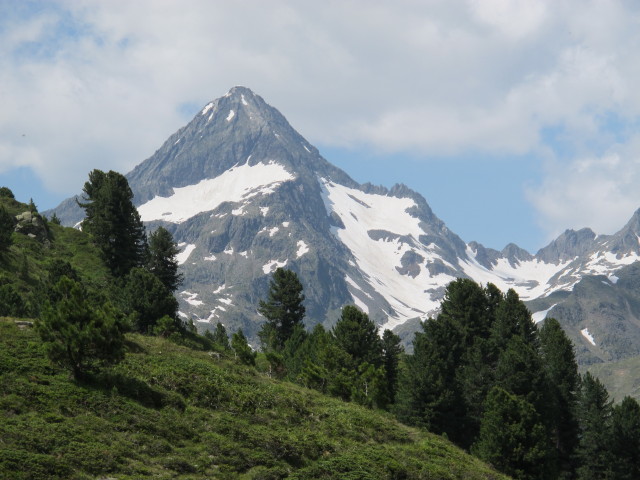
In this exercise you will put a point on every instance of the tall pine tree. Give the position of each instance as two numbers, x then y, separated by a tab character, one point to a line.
113	221
625	439
283	309
559	361
162	260
513	437
594	415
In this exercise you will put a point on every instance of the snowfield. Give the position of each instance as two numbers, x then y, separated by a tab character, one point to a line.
237	184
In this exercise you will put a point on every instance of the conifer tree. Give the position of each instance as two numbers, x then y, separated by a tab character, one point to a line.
625	439
512	318
429	395
559	361
513	437
391	351
147	299
242	349
220	337
357	335
78	335
162	260
594	454
283	309
113	221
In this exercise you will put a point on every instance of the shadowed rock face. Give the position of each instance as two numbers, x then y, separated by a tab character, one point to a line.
285	205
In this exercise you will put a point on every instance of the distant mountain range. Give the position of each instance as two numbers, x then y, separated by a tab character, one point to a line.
243	193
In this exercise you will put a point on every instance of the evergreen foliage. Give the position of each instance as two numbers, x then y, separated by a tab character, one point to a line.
113	221
625	439
145	297
220	337
283	309
391	352
11	302
78	335
357	335
7	223
162	260
55	220
5	192
242	349
594	454
559	361
513	437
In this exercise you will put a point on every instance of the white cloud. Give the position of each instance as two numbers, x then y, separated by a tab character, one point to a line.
99	84
597	192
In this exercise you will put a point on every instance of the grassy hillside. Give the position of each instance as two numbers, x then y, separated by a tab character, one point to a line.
171	412
621	378
24	264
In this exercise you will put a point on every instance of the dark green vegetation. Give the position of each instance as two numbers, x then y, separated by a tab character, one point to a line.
484	375
167	411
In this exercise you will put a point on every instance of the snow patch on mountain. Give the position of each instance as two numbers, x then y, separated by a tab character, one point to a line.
601	263
302	248
234	185
530	279
379	259
272	265
191	298
540	316
585	333
183	256
206	108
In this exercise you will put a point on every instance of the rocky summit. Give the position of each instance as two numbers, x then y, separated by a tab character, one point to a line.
243	193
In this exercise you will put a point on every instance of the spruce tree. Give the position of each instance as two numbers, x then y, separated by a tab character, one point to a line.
283	309
162	258
113	221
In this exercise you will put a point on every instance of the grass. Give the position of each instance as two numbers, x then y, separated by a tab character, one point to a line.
170	412
622	378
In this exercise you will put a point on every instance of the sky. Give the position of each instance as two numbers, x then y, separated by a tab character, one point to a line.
515	119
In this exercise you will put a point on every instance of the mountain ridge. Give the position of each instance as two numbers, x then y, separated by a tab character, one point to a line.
243	193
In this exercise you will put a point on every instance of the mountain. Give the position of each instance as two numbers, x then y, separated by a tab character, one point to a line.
243	193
